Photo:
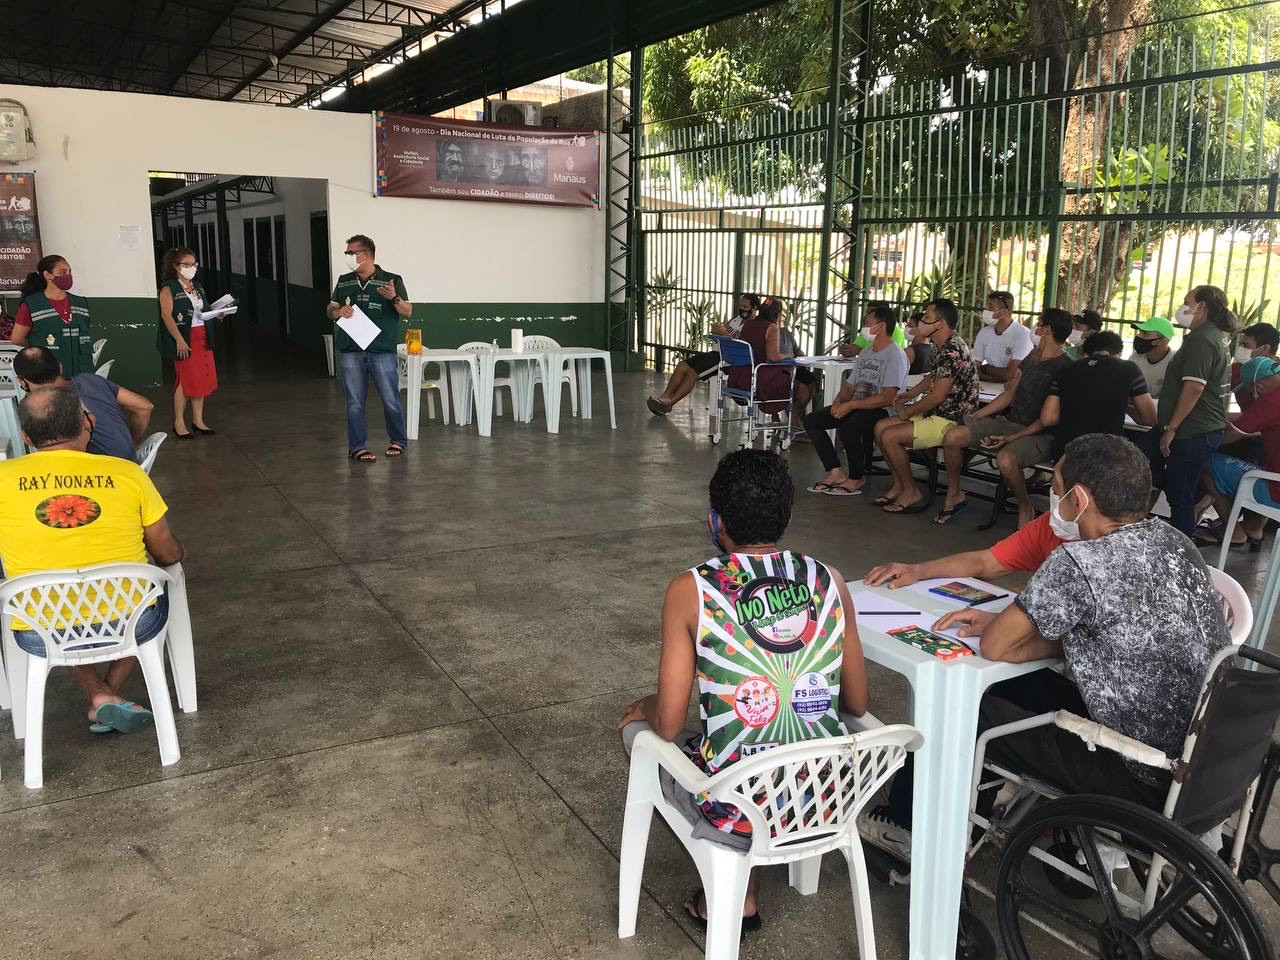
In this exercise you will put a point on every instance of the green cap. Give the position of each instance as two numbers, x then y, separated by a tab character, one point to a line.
1159	325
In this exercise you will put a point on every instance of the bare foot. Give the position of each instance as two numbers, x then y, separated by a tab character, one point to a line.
949	502
903	502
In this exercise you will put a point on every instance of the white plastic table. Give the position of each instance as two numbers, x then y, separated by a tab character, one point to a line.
460	367
944	707
552	384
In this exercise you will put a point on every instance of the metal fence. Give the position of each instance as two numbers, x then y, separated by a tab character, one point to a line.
1116	180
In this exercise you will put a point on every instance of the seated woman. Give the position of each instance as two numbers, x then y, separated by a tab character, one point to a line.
701	366
747	691
773	384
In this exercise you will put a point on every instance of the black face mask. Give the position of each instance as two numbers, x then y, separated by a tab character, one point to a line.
1142	345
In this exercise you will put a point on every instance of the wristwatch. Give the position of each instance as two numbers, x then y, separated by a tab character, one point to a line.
1168	427
397	298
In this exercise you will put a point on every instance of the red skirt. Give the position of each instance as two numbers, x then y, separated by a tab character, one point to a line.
197	376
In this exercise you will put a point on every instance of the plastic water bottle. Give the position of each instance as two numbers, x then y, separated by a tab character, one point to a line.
495	344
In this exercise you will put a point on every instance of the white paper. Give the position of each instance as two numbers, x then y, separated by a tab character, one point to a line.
130	234
226	300
359	327
220	312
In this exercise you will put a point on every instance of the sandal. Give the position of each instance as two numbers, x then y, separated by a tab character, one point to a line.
835	490
883	501
363	456
395	450
945	516
749	924
120	717
657	407
819	487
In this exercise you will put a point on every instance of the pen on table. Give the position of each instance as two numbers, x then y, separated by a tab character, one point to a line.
889	613
978	603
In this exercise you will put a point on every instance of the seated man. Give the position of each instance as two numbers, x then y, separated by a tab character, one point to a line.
1093	394
1257	340
701	366
1002	342
1129	602
866	398
1152	351
747	692
1260	378
108	511
862	341
926	412
1083	325
1019	437
120	416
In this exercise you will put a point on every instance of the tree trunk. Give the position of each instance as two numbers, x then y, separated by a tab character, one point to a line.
1093	255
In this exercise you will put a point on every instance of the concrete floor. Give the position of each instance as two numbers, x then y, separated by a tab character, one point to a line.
410	674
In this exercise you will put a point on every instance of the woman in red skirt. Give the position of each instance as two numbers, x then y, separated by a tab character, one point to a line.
185	339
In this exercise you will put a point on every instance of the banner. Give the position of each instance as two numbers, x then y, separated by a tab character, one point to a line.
464	160
19	229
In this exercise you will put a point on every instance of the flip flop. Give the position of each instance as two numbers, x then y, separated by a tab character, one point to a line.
883	501
889	508
394	450
819	487
835	490
946	516
119	717
657	407
749	924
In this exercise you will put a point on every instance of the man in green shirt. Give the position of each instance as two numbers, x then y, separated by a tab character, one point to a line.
381	296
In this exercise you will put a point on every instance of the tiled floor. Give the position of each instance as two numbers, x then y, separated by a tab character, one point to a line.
410	674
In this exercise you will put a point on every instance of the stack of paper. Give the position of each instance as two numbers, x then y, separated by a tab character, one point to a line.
224	306
359	327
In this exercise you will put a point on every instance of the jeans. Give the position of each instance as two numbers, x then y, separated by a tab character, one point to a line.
357	367
149	625
1054	756
856	432
1178	475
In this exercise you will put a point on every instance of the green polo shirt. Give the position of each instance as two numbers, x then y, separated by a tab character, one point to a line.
351	291
1202	357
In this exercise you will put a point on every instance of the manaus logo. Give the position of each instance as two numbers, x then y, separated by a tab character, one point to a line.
68	511
777	614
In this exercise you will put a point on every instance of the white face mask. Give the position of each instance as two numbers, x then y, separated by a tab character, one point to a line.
352	262
1035	341
988	318
867	334
1243	354
1075	338
187	273
1183	317
1064	529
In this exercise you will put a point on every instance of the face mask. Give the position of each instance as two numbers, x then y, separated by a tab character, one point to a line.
1035	341
187	273
868	333
713	523
352	263
1063	529
988	318
1142	345
1184	316
63	282
742	313
1243	354
1075	338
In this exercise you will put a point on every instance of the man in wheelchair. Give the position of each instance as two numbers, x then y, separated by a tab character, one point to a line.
1128	601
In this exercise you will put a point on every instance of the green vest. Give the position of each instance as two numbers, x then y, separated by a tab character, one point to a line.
349	291
183	309
72	341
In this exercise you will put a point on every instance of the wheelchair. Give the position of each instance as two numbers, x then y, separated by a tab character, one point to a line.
775	430
1116	880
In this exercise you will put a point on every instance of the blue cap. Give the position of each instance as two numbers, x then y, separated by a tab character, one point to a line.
1259	368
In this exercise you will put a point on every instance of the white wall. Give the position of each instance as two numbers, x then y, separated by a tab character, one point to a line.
95	149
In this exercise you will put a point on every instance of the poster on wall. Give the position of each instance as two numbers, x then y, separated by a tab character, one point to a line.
439	159
19	229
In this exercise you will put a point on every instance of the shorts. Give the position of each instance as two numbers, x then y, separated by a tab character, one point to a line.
805	375
704	364
682	799
928	430
150	623
1027	452
1227	472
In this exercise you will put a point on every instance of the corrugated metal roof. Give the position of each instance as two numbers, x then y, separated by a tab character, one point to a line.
267	51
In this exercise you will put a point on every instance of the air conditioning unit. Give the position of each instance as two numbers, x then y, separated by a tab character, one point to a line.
513	113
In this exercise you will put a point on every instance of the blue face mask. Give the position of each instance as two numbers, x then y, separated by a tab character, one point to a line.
713	523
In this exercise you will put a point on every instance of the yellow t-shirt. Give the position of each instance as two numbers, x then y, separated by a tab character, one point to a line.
64	509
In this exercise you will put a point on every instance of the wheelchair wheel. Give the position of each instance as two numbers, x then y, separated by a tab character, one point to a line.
1112	924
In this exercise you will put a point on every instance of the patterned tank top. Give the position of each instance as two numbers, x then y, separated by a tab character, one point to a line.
769	650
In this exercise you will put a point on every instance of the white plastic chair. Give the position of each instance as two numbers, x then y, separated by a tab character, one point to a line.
499	383
97	348
801	799
441	386
105	369
1235	605
180	641
50	603
1246	499
567	373
327	339
147	450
